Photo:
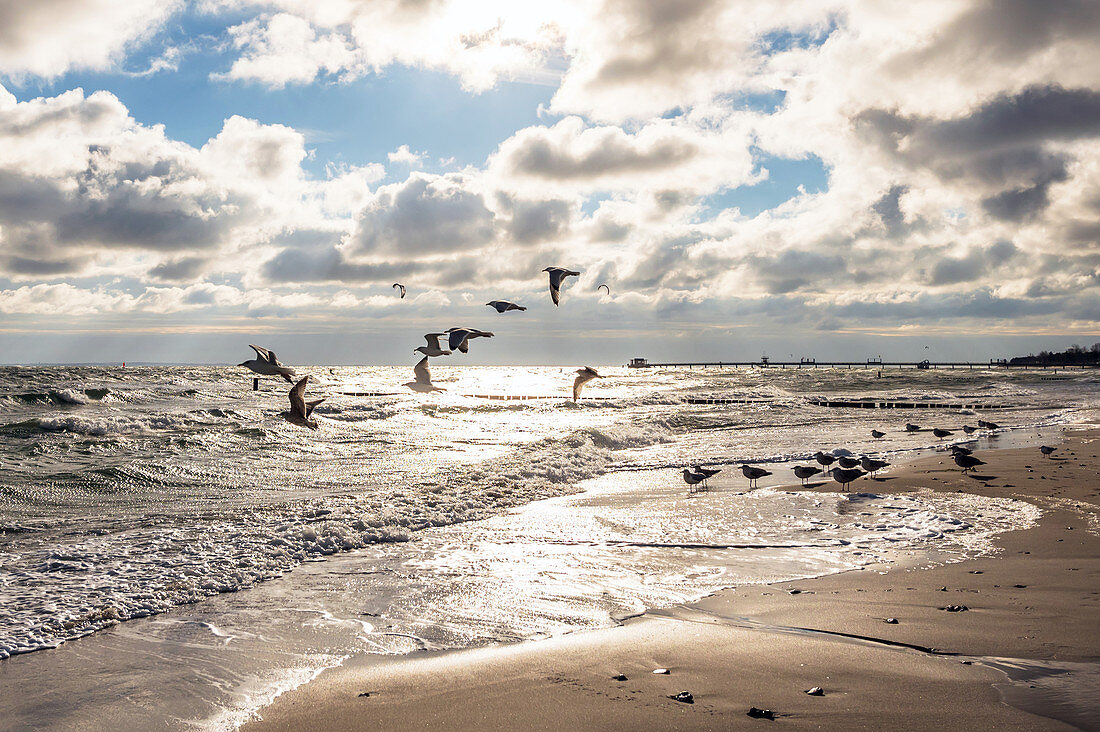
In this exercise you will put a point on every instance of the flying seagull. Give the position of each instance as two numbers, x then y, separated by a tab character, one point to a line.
753	474
844	477
423	382
433	348
267	365
604	287
557	274
503	306
459	338
401	288
804	472
583	377
300	409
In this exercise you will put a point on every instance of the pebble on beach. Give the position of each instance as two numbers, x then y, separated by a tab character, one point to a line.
684	697
891	621
619	677
664	671
816	691
760	713
955	608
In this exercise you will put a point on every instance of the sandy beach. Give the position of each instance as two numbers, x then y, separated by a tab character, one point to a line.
1025	654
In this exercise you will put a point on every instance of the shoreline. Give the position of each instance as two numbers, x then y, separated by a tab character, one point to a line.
764	645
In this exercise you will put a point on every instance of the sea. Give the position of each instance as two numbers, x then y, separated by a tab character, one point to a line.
174	554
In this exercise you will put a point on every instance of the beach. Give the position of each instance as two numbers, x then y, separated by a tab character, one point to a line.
1023	655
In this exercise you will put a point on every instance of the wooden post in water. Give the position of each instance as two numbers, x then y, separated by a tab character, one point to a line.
255	383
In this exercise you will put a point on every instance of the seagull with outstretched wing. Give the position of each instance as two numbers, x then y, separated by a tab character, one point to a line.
583	377
266	364
423	381
557	274
301	411
433	348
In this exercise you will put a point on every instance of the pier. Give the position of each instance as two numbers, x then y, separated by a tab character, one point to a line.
765	363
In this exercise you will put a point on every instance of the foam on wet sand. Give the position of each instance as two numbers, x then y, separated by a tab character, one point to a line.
1032	609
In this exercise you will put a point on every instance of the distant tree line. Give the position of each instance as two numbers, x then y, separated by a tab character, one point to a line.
1075	355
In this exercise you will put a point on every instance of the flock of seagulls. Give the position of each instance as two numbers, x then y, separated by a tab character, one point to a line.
457	339
846	468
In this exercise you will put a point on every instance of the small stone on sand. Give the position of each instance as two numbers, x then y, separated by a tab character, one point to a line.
683	696
760	713
816	691
891	621
619	677
955	608
664	671
794	592
365	693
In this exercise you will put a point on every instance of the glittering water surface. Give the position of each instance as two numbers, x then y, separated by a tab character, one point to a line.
125	493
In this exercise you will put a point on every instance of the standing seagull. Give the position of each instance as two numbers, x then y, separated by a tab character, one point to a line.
969	429
707	473
1047	450
909	427
503	306
433	348
848	462
557	274
267	364
423	382
753	474
877	435
871	465
824	459
804	472
583	377
693	480
300	409
400	288
460	337
941	433
844	477
967	462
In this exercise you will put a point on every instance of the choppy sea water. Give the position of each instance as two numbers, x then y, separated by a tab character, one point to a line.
141	501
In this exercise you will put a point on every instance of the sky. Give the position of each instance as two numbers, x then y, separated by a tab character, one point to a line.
830	179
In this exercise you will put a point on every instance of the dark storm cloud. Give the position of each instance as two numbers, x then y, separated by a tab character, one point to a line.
425	215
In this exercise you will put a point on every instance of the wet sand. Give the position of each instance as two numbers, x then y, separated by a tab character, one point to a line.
1037	601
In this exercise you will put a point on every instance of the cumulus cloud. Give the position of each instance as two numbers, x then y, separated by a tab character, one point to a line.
46	38
424	214
962	178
